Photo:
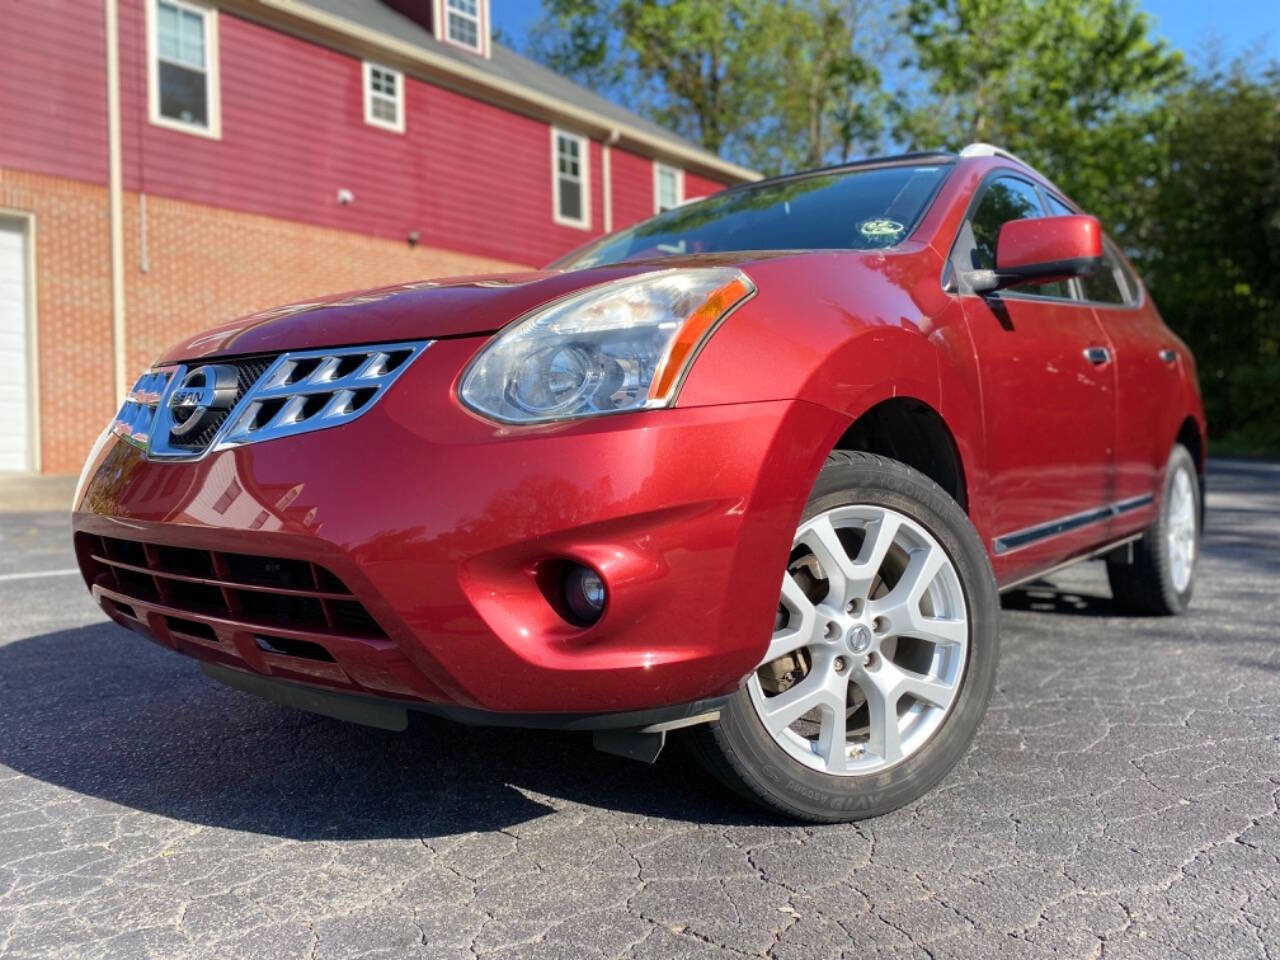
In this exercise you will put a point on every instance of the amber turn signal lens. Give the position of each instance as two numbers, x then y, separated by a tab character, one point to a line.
692	333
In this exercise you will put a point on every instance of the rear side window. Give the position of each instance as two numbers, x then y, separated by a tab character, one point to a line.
1133	288
1105	286
1005	199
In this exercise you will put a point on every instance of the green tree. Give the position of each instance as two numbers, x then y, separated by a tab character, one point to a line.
774	85
1210	248
823	102
702	68
1073	86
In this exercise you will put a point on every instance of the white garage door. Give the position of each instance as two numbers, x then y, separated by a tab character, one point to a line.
15	441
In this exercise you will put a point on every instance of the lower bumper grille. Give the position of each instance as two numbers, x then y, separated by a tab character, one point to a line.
272	615
265	592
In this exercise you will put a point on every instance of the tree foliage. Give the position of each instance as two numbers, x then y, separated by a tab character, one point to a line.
827	98
774	85
1073	86
1210	245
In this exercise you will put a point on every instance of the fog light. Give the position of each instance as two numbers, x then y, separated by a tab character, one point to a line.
585	594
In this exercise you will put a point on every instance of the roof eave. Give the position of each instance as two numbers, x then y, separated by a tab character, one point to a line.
351	37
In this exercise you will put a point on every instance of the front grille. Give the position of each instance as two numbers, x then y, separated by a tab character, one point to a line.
179	413
262	593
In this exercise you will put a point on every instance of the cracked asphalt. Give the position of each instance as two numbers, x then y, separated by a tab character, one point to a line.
1120	801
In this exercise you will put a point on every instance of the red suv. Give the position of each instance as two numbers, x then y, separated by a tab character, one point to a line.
756	467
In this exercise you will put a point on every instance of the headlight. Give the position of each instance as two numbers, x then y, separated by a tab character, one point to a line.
620	346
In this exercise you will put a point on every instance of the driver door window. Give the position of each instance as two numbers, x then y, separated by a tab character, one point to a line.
1005	199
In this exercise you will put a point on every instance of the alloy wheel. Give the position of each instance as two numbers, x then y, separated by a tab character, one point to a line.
869	644
1180	536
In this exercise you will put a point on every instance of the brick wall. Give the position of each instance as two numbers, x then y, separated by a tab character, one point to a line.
73	304
204	266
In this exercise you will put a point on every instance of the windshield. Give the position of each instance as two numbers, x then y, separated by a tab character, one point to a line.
851	209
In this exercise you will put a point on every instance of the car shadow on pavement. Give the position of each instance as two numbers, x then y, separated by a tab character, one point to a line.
106	714
1042	596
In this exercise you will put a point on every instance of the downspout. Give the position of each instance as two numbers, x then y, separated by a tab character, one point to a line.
115	193
606	170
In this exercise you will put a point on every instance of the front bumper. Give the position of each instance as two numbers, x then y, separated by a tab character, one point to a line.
408	554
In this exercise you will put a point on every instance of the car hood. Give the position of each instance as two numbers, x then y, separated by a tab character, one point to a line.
422	310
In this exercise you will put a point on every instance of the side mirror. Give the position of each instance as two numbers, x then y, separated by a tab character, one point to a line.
1042	250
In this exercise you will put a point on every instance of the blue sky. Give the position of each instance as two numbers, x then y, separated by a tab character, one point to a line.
1187	23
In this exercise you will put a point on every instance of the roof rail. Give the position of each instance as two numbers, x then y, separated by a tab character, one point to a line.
992	150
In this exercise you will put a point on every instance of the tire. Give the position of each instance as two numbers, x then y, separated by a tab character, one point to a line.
824	769
1153	583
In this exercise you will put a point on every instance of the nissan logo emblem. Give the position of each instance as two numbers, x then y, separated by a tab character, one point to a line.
206	388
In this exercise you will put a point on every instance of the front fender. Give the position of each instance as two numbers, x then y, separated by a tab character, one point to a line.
839	330
844	333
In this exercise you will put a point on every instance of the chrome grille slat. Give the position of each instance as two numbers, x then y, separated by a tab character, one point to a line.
367	375
339	404
322	380
138	412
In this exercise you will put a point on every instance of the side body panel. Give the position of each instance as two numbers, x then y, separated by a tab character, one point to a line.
1152	403
1049	417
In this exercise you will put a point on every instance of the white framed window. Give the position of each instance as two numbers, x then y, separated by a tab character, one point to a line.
462	24
668	187
182	67
383	97
571	179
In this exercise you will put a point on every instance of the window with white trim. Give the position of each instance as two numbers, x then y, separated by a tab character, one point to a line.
668	187
571	179
183	66
383	97
462	23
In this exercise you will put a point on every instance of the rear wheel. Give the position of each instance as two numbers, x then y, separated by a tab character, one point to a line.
1159	579
882	656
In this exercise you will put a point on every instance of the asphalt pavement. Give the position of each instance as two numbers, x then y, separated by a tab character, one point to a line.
1120	801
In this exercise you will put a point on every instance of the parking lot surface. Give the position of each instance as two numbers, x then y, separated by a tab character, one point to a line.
1120	801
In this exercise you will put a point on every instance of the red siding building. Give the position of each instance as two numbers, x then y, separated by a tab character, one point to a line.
169	164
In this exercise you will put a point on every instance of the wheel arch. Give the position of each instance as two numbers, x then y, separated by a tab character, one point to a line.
911	431
1190	436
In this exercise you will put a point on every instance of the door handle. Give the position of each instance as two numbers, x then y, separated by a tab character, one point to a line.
1168	356
1097	355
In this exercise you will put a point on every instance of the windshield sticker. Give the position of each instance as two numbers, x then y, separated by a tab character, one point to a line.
880	228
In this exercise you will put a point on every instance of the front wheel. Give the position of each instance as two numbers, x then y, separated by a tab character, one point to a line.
882	657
